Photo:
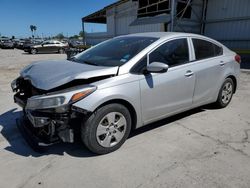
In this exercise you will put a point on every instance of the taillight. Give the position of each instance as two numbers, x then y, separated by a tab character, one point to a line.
237	58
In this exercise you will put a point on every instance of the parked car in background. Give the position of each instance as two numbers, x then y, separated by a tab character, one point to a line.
15	42
1	41
30	43
76	47
122	84
20	43
76	44
7	44
50	46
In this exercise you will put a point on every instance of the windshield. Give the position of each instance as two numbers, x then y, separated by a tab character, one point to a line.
115	52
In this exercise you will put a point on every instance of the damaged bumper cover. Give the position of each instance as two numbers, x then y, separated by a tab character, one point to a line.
35	142
41	129
50	117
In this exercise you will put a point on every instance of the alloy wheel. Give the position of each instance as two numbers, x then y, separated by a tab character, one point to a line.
227	93
111	129
33	51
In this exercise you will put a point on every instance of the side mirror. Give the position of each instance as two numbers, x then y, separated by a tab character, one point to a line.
157	67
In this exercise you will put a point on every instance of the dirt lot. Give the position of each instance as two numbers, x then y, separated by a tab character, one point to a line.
200	148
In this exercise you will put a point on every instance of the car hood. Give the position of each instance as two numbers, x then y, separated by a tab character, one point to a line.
47	75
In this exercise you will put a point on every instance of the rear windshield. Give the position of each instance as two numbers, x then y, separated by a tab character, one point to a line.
115	52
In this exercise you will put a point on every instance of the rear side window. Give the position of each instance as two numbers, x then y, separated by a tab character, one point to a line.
204	49
173	53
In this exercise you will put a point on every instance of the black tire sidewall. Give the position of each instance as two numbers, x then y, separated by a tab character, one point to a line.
219	101
89	127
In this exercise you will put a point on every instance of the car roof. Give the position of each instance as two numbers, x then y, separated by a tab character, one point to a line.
163	35
152	34
167	35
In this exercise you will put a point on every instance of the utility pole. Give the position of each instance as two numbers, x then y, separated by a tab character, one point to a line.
83	29
172	14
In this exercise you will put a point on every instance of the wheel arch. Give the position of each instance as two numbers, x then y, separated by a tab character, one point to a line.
234	81
128	105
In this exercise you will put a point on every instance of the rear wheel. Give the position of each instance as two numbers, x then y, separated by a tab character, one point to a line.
61	51
226	93
106	129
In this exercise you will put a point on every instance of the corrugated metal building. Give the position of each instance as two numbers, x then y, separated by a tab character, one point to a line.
229	22
225	20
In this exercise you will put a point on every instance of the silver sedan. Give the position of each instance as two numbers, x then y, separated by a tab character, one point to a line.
123	84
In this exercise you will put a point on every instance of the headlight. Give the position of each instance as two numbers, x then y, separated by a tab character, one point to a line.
45	103
58	99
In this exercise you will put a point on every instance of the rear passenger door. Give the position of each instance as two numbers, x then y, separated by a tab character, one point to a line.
208	67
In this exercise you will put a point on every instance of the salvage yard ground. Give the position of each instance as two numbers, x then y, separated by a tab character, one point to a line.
204	147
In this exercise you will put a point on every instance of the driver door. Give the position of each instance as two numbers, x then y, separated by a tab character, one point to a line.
163	94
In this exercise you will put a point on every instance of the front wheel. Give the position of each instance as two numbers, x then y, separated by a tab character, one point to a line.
33	51
226	93
106	129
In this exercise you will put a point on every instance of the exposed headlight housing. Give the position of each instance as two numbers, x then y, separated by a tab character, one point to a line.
45	102
58	99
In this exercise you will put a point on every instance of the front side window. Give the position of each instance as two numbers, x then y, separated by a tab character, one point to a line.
204	49
46	43
115	52
172	53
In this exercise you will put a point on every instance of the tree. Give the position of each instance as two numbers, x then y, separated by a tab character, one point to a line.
32	28
81	34
74	37
60	36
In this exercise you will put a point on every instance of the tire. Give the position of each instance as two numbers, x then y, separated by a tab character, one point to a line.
33	51
101	133
225	94
61	51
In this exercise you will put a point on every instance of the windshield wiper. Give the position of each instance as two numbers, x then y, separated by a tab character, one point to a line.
73	59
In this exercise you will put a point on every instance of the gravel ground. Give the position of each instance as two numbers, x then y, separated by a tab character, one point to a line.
200	148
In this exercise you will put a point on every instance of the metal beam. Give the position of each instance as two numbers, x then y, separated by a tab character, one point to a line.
83	29
203	19
172	15
227	19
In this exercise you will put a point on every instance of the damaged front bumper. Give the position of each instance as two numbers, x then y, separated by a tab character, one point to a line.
42	129
36	143
50	117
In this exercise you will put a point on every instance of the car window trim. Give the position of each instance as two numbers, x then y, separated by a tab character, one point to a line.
160	44
205	39
169	40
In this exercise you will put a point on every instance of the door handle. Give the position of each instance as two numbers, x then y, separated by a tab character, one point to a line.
222	63
189	73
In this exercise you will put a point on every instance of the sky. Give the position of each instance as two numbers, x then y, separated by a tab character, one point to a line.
50	16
